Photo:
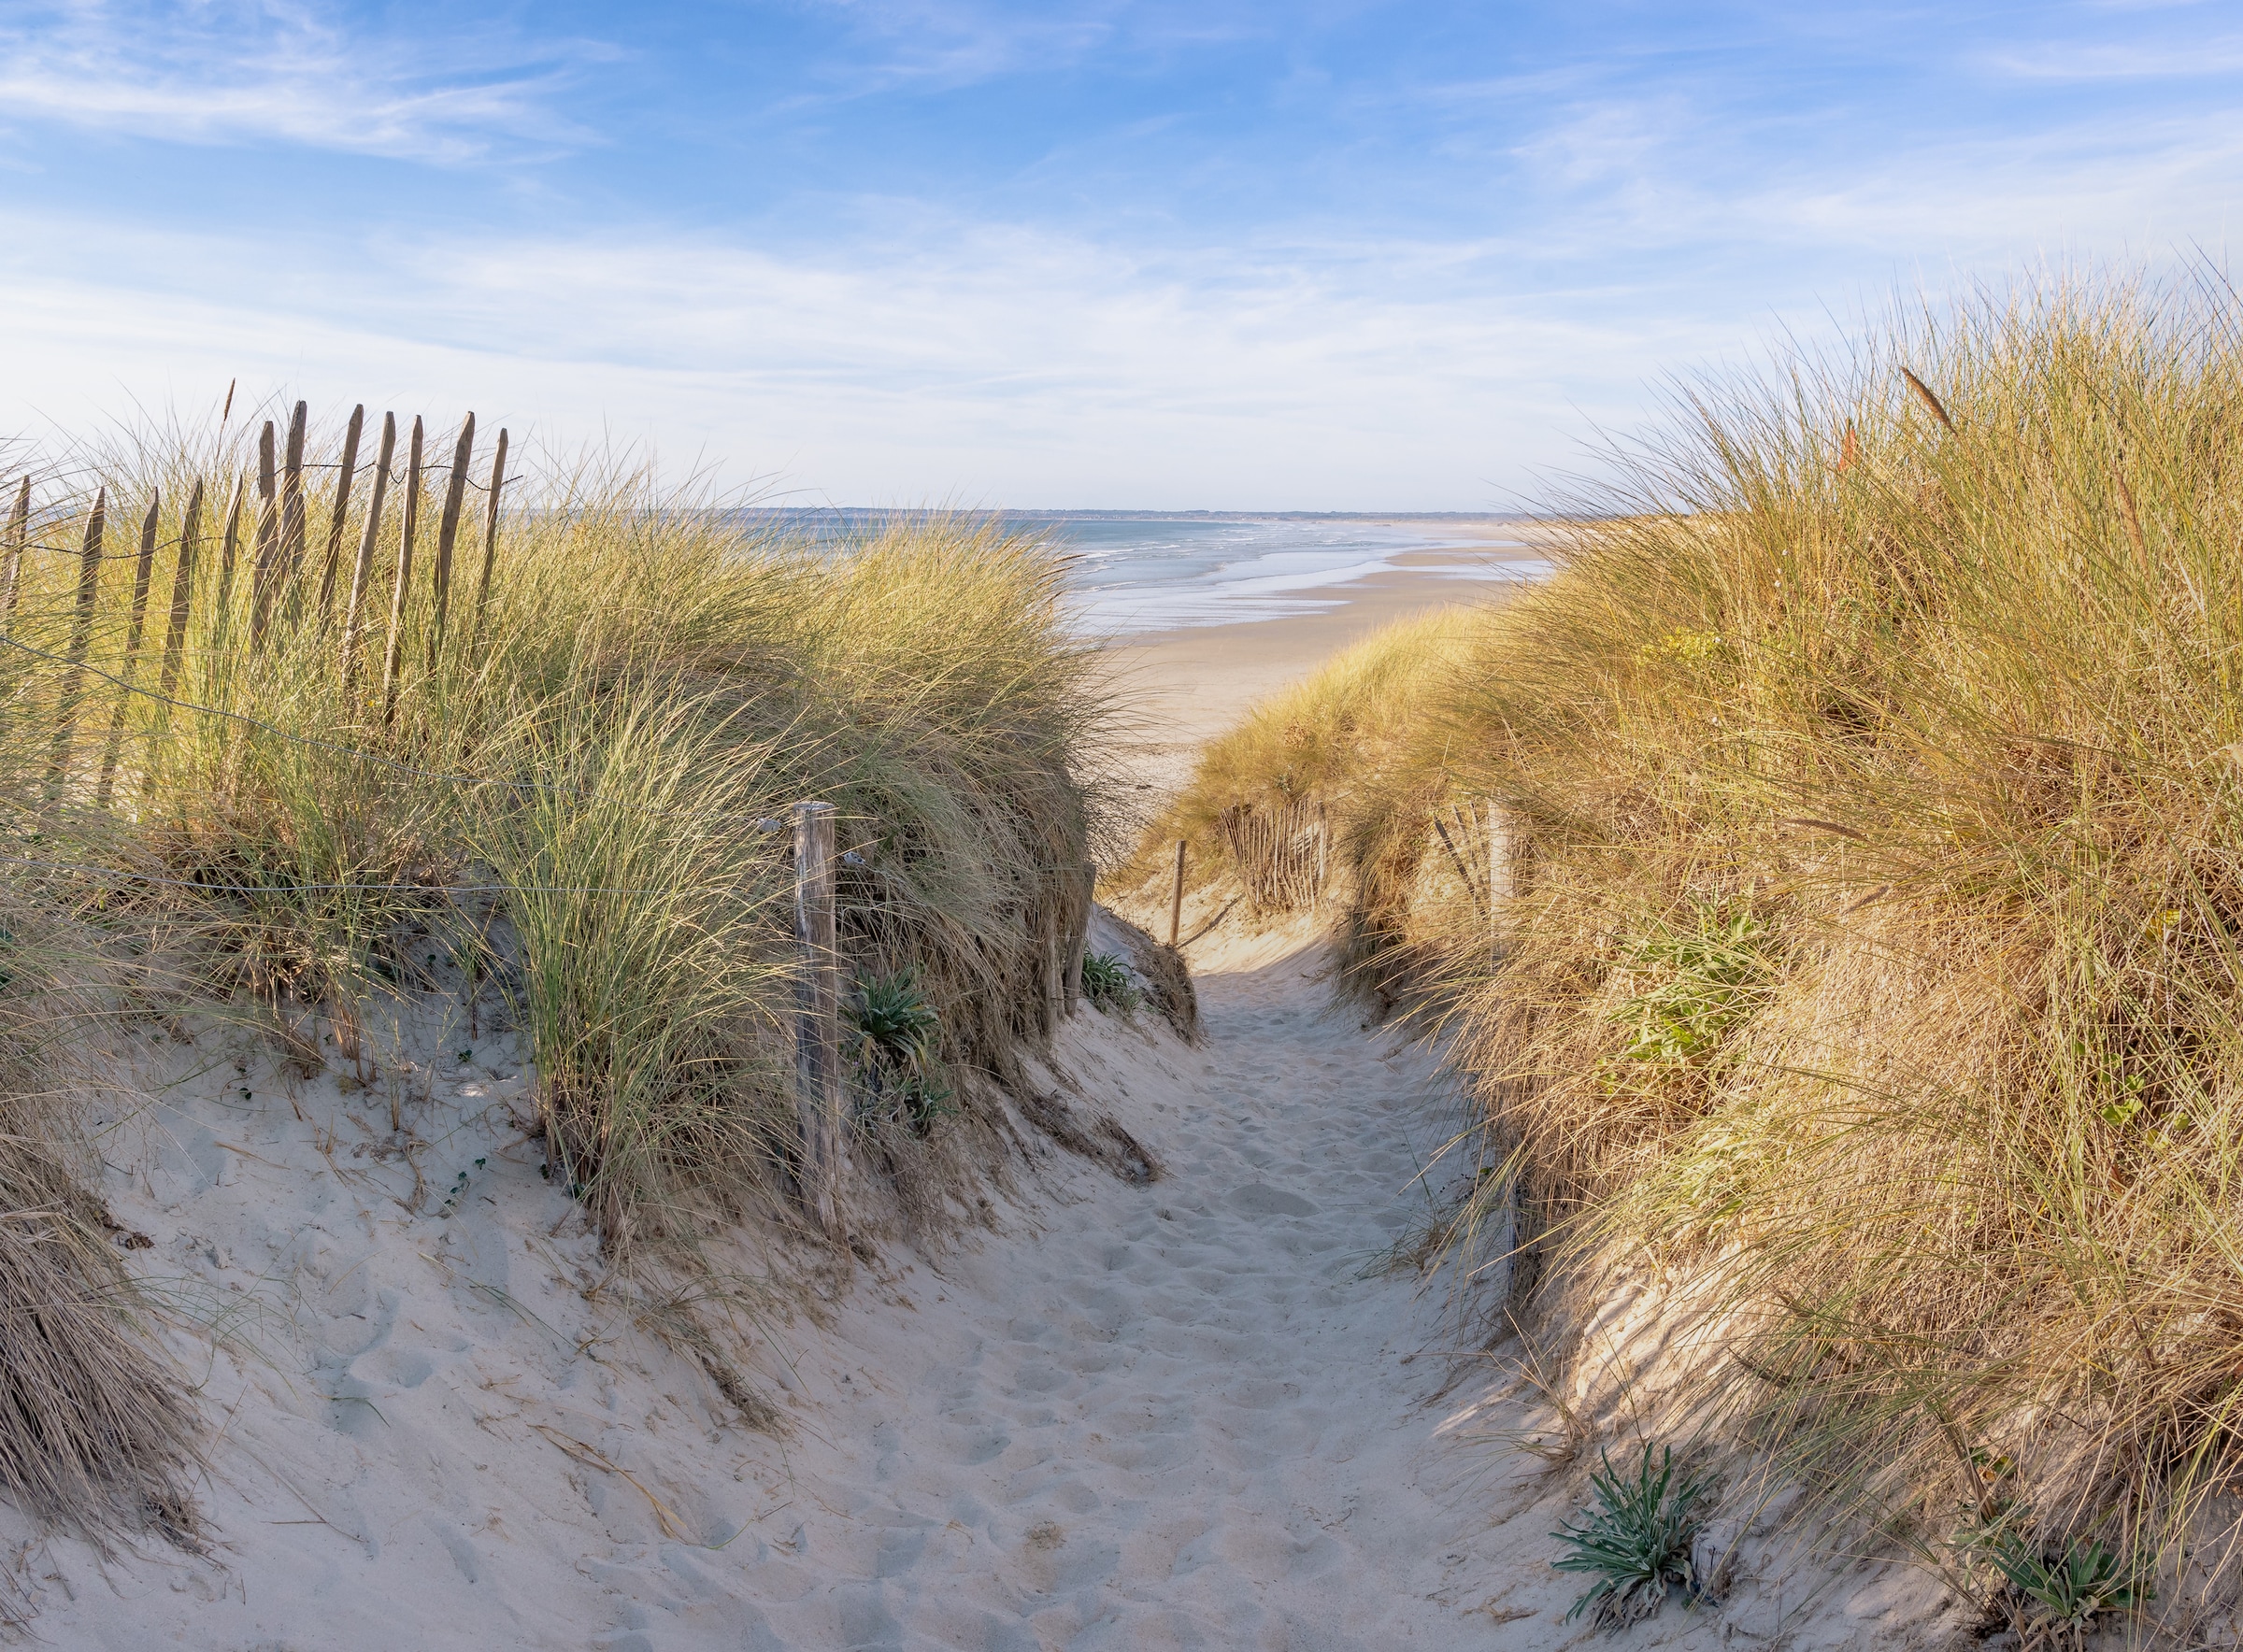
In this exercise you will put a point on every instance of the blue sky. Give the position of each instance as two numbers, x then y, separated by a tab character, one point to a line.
1339	255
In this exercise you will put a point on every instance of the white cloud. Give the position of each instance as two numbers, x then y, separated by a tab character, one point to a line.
2124	61
241	70
988	364
947	44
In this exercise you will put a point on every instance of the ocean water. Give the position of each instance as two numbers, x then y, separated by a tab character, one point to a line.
1131	573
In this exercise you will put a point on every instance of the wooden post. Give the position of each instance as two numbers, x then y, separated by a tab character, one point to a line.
1505	1268
182	594
1456	857
817	1013
1495	851
1175	898
1055	996
264	570
1079	934
345	473
81	634
498	482
18	537
292	511
354	617
395	659
143	571
448	533
228	549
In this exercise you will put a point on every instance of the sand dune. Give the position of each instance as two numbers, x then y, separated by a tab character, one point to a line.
1181	1413
1198	1413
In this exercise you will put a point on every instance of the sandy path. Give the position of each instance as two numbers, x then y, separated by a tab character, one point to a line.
1192	1414
1186	1414
1180	1416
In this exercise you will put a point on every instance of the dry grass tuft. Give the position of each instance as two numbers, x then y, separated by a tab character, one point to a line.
1866	1014
95	1429
568	790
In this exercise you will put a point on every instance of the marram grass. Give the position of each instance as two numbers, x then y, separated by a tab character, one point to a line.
573	790
1871	994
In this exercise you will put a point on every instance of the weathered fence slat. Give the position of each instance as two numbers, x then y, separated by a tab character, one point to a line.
18	537
1456	858
498	482
346	471
1055	992
292	512
182	593
1281	854
1176	896
82	637
1079	932
395	659
228	553
448	533
265	569
354	617
817	1013
144	569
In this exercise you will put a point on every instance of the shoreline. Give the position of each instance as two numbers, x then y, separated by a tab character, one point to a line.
1183	685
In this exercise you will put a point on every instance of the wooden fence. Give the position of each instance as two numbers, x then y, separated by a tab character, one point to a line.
286	591
1281	855
287	594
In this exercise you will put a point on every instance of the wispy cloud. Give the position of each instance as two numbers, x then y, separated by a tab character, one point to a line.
948	44
1340	252
989	362
944	44
243	71
2124	61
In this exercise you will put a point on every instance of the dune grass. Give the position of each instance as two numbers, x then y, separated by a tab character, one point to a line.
1324	739
1865	1008
574	791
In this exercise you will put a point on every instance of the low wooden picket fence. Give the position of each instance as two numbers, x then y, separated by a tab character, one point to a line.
1283	854
290	585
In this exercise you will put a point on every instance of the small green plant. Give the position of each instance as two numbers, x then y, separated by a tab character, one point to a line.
2062	1592
897	1032
1107	984
1705	980
1636	1541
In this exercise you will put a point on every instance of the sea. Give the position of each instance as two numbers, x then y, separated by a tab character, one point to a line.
1135	572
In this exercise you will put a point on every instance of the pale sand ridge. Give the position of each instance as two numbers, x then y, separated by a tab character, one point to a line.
1194	1414
1140	1415
1200	1412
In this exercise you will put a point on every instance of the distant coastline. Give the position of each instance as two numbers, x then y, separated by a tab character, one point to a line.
1010	513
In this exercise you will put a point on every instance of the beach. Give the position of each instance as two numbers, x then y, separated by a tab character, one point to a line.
1180	685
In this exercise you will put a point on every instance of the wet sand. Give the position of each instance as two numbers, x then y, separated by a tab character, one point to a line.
1181	686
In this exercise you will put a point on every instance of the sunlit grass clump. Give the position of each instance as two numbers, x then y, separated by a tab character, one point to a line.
1868	973
573	786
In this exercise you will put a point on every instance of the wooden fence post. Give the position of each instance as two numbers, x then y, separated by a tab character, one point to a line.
1055	993
292	511
264	568
1079	933
81	635
448	533
228	549
19	538
1502	884
498	480
182	595
395	659
345	473
817	1013
354	617
143	571
1175	898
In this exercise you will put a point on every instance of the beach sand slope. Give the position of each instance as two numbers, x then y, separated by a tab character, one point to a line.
1201	1412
